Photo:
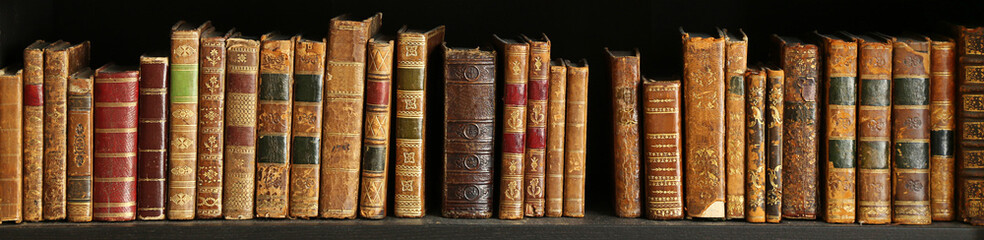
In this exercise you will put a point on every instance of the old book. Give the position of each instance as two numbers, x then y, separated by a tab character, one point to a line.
911	133
469	123
735	63
874	130
239	168
556	115
536	126
840	64
624	67
79	168
774	102
515	64
152	137
33	129
183	119
942	69
273	122
663	150
211	103
61	59
575	140
970	125
755	144
11	144
412	50
305	155
375	153
114	161
342	136
800	63
705	147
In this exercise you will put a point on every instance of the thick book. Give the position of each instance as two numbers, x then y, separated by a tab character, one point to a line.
11	144
33	129
305	153
910	130
663	150
342	126
514	63
735	64
79	170
705	147
412	50
183	119
840	64
273	124
239	168
536	126
942	169
211	104
874	186
970	125
152	137
800	62
556	115
375	153
61	59
575	140
114	138
624	70
774	102
469	123
755	144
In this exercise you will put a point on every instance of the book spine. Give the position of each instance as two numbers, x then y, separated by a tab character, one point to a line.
874	133
469	120
704	86
11	147
152	134
625	86
516	64
664	173
841	129
211	103
79	173
55	122
556	111
970	127
242	68
375	162
736	60
305	163
942	68
183	125
910	138
799	160
575	142
33	133
775	80
115	146
411	82
536	122
755	166
273	124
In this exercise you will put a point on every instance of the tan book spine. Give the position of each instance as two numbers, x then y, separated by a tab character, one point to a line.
211	119
575	141
625	105
736	60
556	112
78	188
239	180
183	149
305	162
273	125
942	164
755	166
515	65
11	144
662	142
704	107
375	153
60	61
33	130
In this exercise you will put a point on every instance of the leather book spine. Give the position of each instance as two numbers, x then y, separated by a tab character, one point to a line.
575	141
183	127
469	122
211	103
239	169
874	133
840	65
942	68
152	138
11	145
515	64
625	77
800	63
375	153
305	161
755	176
705	146
536	127
273	126
911	133
115	144
33	130
775	87
735	63
664	173
556	111
970	125
79	168
59	63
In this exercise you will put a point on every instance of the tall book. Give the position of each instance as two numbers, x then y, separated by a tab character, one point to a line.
774	102
874	186
152	137
515	64
11	144
375	153
536	126
556	117
705	147
342	126
305	154
755	144
469	123
239	168
840	64
211	103
114	161
79	170
575	140
33	129
735	63
412	50
662	143
273	115
942	69
183	119
970	128
60	60
800	63
911	130
625	77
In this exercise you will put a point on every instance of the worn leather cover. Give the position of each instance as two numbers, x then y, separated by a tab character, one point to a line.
469	123
515	65
970	126
273	125
375	153
152	137
874	131
114	161
840	64
238	181
556	115
412	50
305	155
79	167
663	150
735	63
704	87
774	102
183	126
534	175
942	69
911	131
33	129
625	77
61	59
575	141
342	136
755	144
211	104
800	62
11	144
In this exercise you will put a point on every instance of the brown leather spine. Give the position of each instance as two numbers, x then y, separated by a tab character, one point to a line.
910	131
556	111
11	144
78	171
239	169
152	137
735	62
305	163
755	176
942	164
800	62
840	83
704	86
625	91
60	61
273	125
182	152
211	119
33	129
664	173
874	132
775	89
375	153
970	124
514	64
575	141
536	126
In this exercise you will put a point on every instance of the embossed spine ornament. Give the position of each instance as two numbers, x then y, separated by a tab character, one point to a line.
664	173
11	144
755	166
874	131
469	122
61	59
273	117
79	169
556	111
970	128
305	156
152	134
735	62
33	129
800	62
942	68
624	67
242	68
911	131
114	161
536	126
704	86
412	51
775	80
840	72
375	153
211	118
515	65
342	136
183	126
575	141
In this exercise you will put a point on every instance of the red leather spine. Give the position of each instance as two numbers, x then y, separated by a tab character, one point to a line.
115	144
152	132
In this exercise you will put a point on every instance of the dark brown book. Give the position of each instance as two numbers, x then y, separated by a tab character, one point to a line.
33	129
800	63
183	119
774	99
874	186
375	152
910	130
536	126
970	125
662	139
755	144
514	64
624	67
211	119
152	137
942	163
704	90
575	143
273	122
305	155
238	181
556	113
11	144
61	59
840	64
78	171
735	63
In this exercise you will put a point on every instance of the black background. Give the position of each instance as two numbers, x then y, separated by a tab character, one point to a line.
122	30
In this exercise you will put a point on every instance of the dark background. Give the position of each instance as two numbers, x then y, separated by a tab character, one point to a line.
122	30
